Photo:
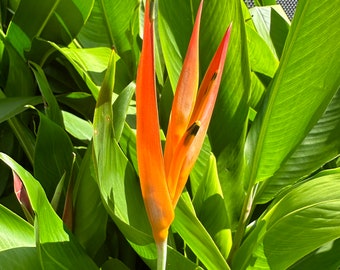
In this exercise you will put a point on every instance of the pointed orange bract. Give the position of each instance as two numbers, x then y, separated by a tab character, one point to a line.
184	99
163	179
189	148
149	152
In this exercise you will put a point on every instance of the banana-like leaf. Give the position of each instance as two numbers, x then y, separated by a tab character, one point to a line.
211	210
302	88
325	257
90	216
56	247
321	145
54	154
77	127
298	222
58	21
17	250
12	106
52	109
197	238
113	25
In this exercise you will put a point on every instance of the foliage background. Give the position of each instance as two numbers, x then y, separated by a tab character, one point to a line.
265	190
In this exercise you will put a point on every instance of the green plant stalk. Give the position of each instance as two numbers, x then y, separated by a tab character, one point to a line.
247	210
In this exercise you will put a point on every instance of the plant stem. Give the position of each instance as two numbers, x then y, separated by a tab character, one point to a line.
161	255
244	220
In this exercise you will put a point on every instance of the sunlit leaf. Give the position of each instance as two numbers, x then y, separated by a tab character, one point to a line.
297	223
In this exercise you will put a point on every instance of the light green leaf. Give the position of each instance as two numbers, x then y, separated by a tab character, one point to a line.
321	145
120	109
89	63
197	238
272	25
302	88
77	127
17	250
298	222
57	248
211	209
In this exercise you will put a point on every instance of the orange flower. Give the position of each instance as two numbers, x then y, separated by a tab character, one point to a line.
162	179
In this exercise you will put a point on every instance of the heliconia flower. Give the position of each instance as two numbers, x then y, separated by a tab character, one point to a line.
162	179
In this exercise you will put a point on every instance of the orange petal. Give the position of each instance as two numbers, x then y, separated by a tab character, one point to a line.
149	152
188	150
184	99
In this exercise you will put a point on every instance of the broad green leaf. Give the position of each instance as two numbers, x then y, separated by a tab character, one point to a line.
197	238
325	257
211	209
90	216
89	63
17	250
321	145
58	21
53	154
272	25
57	248
12	106
77	127
67	20
303	86
108	25
113	25
298	222
262	60
17	78
52	109
76	101
29	22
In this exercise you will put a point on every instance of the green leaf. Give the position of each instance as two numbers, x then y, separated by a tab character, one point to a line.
325	257
321	145
112	24
57	248
53	154
77	127
90	216
298	96
198	239
24	28
262	59
52	109
13	106
58	21
67	20
272	25
211	209
17	250
298	222
89	63
120	109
